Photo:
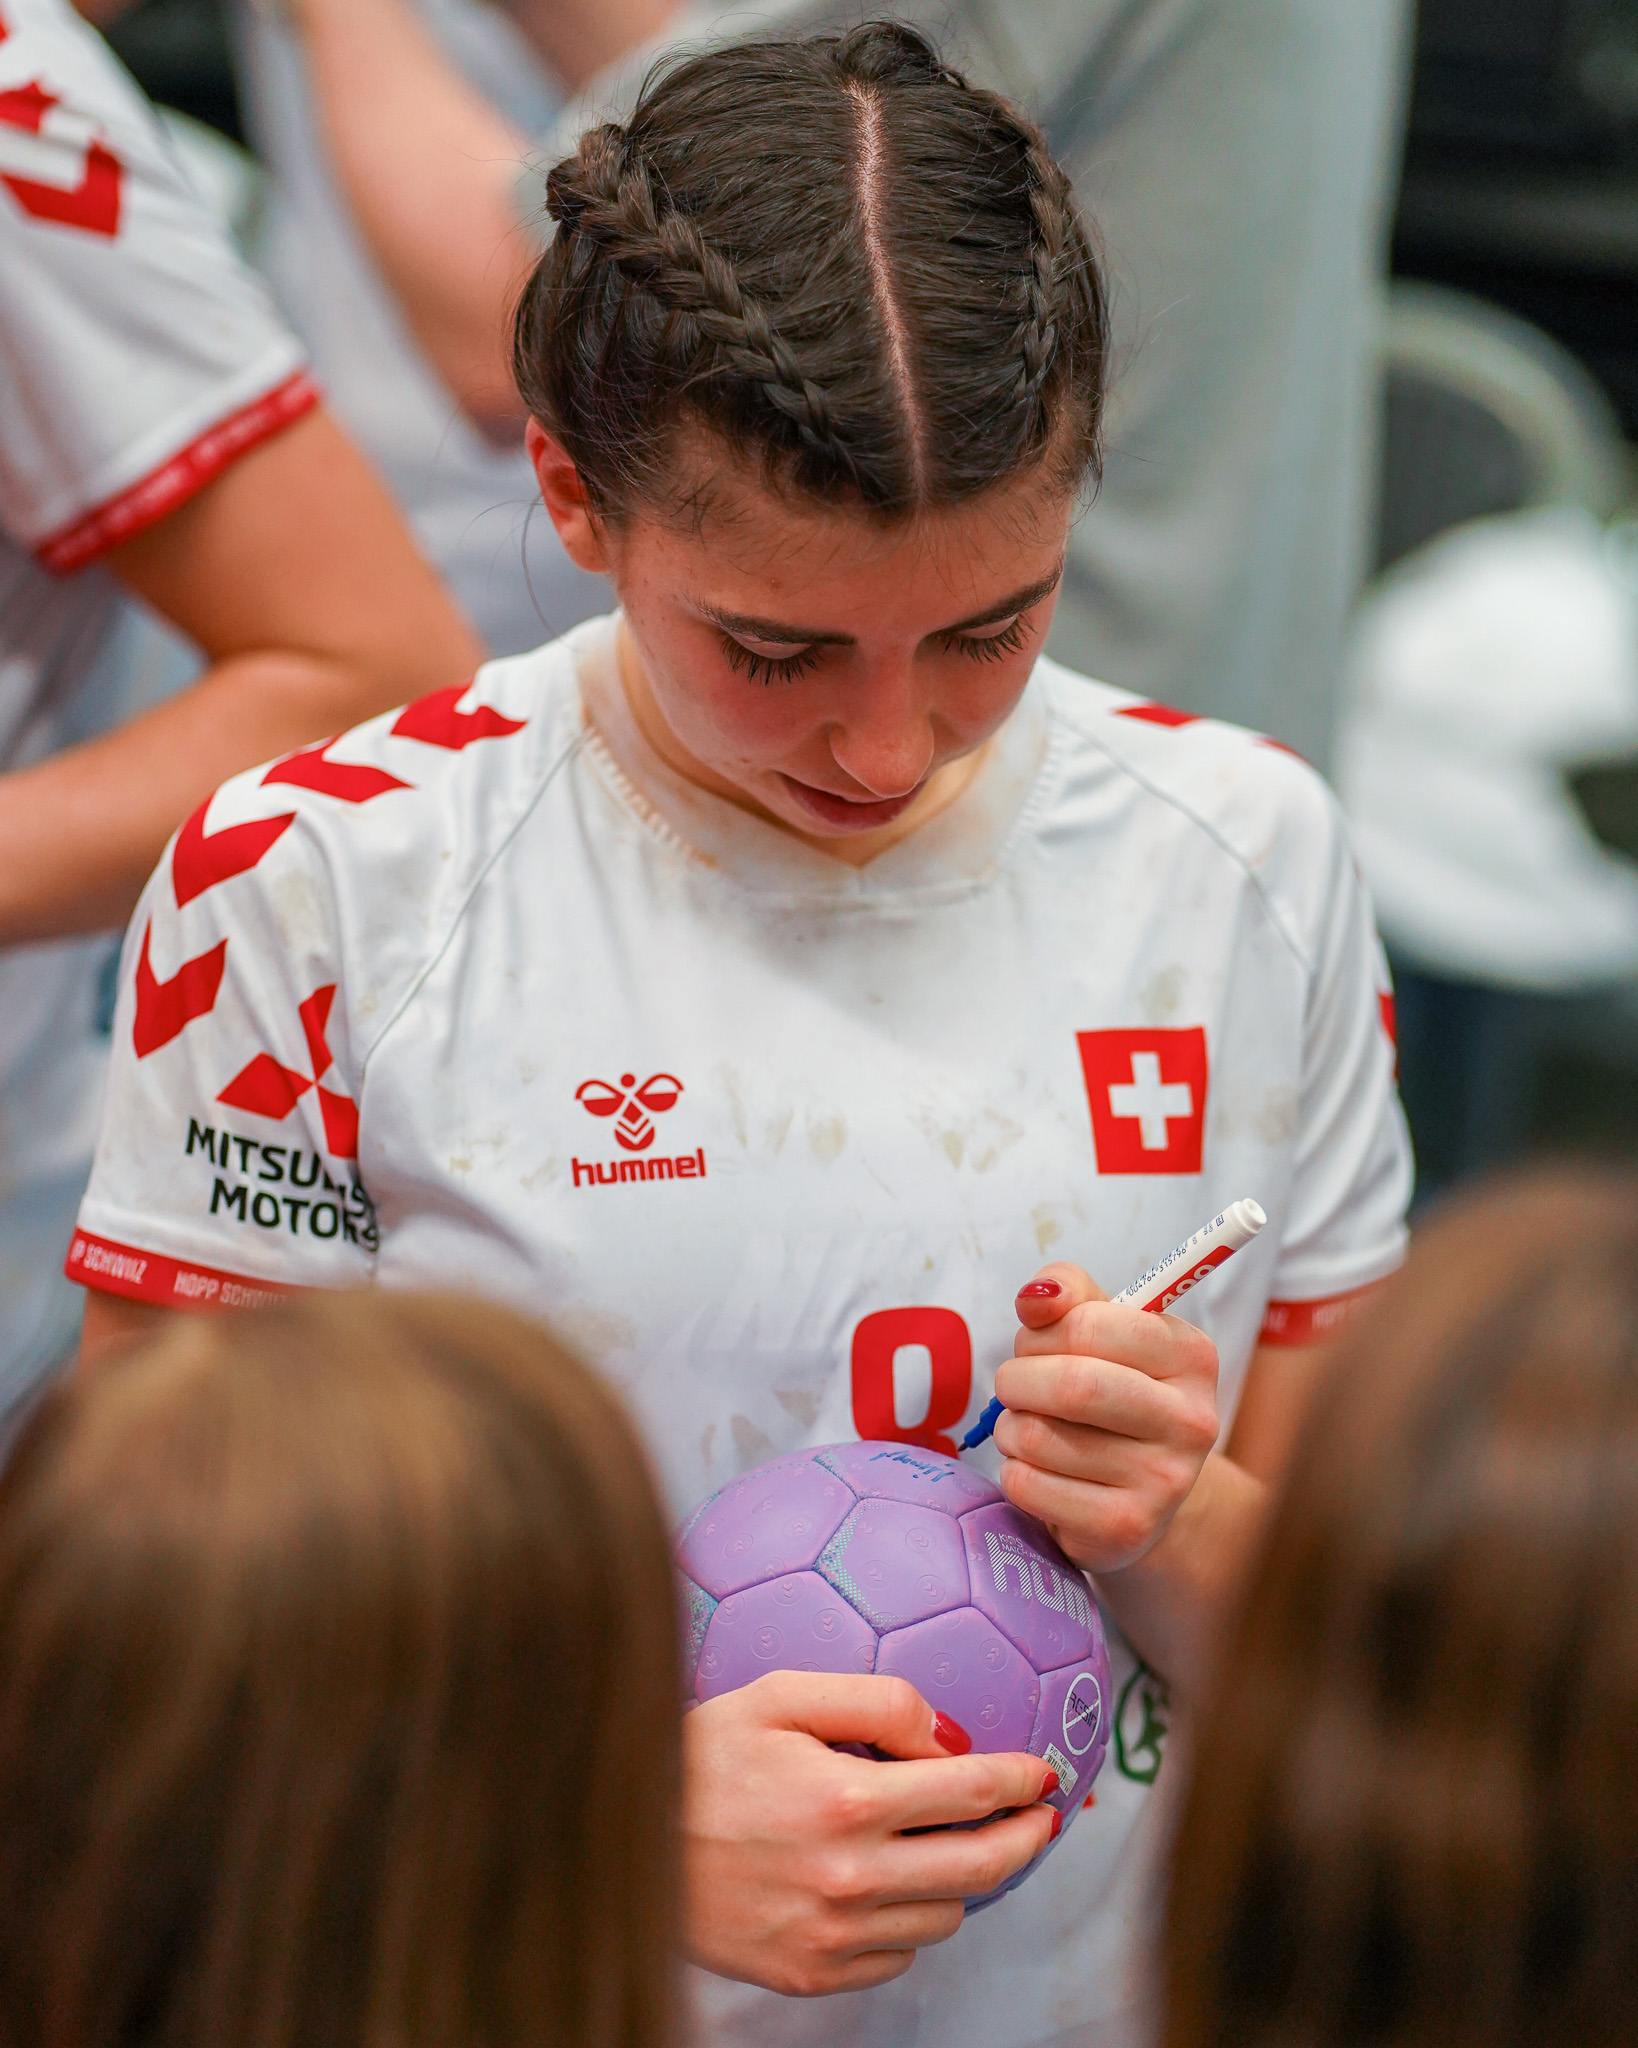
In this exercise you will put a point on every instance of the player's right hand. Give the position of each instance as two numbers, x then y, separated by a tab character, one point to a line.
801	1876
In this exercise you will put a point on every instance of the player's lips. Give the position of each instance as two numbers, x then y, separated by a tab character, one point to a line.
847	813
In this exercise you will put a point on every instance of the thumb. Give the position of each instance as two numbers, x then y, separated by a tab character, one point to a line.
1054	1291
886	1713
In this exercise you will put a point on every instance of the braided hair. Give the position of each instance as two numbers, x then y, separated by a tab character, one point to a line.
835	254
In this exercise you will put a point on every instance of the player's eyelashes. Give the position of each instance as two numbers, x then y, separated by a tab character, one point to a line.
989	643
767	668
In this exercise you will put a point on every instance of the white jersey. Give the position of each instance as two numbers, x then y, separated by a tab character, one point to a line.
483	994
138	358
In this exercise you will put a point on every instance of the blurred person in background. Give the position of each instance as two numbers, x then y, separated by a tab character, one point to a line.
1488	674
1238	158
444	431
341	1699
1414	1818
160	439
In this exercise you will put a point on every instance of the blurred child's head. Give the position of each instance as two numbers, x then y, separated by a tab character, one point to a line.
338	1695
1414	1818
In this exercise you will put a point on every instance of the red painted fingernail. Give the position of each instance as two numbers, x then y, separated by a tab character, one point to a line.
1050	1786
951	1735
1039	1290
1057	1824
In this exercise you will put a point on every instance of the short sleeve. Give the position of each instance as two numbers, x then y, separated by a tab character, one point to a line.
288	923
227	1168
139	355
1351	1183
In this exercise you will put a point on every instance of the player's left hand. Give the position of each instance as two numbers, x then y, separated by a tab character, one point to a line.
1111	1413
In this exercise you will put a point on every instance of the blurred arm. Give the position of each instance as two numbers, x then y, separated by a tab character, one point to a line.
113	1326
430	167
295	573
1176	1601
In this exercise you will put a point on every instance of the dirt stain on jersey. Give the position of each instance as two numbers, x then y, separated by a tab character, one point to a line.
800	1402
751	1447
298	910
736	1106
978	1141
1161	995
1276	1119
826	1137
1047	1228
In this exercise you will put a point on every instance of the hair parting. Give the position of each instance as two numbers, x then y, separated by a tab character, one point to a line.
872	178
899	310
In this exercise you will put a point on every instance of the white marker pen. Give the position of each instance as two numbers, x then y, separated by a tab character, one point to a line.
1166	1283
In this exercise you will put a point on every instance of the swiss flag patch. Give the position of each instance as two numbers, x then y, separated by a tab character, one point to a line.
1147	1094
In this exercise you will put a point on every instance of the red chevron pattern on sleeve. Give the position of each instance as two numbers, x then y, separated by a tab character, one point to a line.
435	720
165	1008
354	782
199	862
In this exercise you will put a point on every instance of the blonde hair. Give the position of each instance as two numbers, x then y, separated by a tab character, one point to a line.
340	1699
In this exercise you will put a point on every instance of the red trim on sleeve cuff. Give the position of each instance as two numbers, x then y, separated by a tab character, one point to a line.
177	479
171	1283
1309	1322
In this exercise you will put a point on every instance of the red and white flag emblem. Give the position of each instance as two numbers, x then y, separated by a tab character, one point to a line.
1147	1094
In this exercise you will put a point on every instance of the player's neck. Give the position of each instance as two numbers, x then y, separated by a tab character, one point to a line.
944	785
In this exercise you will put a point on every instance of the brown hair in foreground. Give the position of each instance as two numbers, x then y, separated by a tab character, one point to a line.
837	257
340	1698
1414	1818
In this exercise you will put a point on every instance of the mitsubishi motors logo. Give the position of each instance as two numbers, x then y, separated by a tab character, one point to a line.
633	1108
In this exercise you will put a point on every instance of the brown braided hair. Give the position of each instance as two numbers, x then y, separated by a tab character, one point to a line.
834	254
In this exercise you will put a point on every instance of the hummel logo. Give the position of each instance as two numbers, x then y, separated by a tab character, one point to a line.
633	1106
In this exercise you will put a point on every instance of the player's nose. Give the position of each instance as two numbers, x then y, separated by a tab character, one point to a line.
888	744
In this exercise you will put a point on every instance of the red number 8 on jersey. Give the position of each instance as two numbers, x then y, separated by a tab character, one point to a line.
877	1342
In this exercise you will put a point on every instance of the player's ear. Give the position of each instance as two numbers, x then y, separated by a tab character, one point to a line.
564	497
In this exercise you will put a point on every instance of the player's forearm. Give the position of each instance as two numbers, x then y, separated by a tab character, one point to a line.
81	832
429	169
1173	1604
295	573
580	38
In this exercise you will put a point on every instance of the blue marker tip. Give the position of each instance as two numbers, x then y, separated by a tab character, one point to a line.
984	1428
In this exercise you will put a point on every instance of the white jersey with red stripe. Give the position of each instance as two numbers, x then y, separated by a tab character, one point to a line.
138	357
482	994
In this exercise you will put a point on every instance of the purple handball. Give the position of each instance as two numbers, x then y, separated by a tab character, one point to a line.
881	1557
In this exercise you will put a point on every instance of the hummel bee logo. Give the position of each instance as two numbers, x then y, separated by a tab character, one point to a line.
633	1107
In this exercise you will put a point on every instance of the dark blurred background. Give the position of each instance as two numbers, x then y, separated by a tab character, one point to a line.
1520	188
1520	195
1521	170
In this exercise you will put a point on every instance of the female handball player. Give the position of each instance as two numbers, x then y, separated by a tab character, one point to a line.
763	980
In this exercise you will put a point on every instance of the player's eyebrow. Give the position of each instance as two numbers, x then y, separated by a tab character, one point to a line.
1020	601
747	626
